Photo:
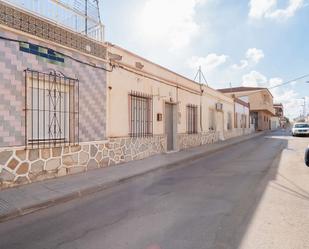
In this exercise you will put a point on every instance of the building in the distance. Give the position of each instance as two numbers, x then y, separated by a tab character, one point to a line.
278	121
261	104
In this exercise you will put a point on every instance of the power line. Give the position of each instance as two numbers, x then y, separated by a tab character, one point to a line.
290	81
279	85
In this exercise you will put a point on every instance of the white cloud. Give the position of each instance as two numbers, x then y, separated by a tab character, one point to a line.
275	82
258	8
287	96
290	101
208	63
254	55
242	65
254	79
290	11
268	9
171	22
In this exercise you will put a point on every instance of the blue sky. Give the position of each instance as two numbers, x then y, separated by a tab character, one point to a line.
244	42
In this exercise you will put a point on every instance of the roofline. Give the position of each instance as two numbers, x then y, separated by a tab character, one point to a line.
254	89
164	68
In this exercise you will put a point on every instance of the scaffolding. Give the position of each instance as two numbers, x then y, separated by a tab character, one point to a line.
81	16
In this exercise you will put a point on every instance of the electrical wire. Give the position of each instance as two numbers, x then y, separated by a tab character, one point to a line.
290	81
62	54
279	85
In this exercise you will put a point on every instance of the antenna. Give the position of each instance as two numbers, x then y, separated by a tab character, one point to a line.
200	76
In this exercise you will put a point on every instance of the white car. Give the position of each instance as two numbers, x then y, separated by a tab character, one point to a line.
300	129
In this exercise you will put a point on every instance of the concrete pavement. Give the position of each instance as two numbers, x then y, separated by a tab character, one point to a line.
281	218
29	198
209	202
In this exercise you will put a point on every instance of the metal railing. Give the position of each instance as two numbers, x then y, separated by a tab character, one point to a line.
192	119
80	16
51	109
141	114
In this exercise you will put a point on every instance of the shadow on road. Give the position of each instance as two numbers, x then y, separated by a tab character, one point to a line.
270	180
207	203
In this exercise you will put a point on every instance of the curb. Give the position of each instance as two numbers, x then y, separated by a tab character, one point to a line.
99	187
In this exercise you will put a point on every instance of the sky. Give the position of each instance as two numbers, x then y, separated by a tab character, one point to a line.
238	43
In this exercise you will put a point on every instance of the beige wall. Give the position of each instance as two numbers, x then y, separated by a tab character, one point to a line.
264	121
164	86
259	100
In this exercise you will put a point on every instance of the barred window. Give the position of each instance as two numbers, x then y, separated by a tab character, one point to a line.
52	109
140	114
191	119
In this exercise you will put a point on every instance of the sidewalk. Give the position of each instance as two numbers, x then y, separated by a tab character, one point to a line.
25	199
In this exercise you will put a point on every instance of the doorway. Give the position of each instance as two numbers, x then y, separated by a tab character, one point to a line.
169	126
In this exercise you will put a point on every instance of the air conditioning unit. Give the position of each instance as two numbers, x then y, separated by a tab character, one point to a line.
219	106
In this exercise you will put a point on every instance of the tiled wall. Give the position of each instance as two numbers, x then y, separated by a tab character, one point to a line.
92	87
34	25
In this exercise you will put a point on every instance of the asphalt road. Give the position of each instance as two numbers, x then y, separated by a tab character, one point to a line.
209	203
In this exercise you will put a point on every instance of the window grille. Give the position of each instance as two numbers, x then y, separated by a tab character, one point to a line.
191	119
141	124
51	109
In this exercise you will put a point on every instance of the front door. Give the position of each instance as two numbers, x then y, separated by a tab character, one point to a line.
169	126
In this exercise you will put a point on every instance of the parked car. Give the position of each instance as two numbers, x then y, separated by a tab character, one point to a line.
300	129
307	157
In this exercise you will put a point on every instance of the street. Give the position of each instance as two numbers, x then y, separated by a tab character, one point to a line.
251	195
